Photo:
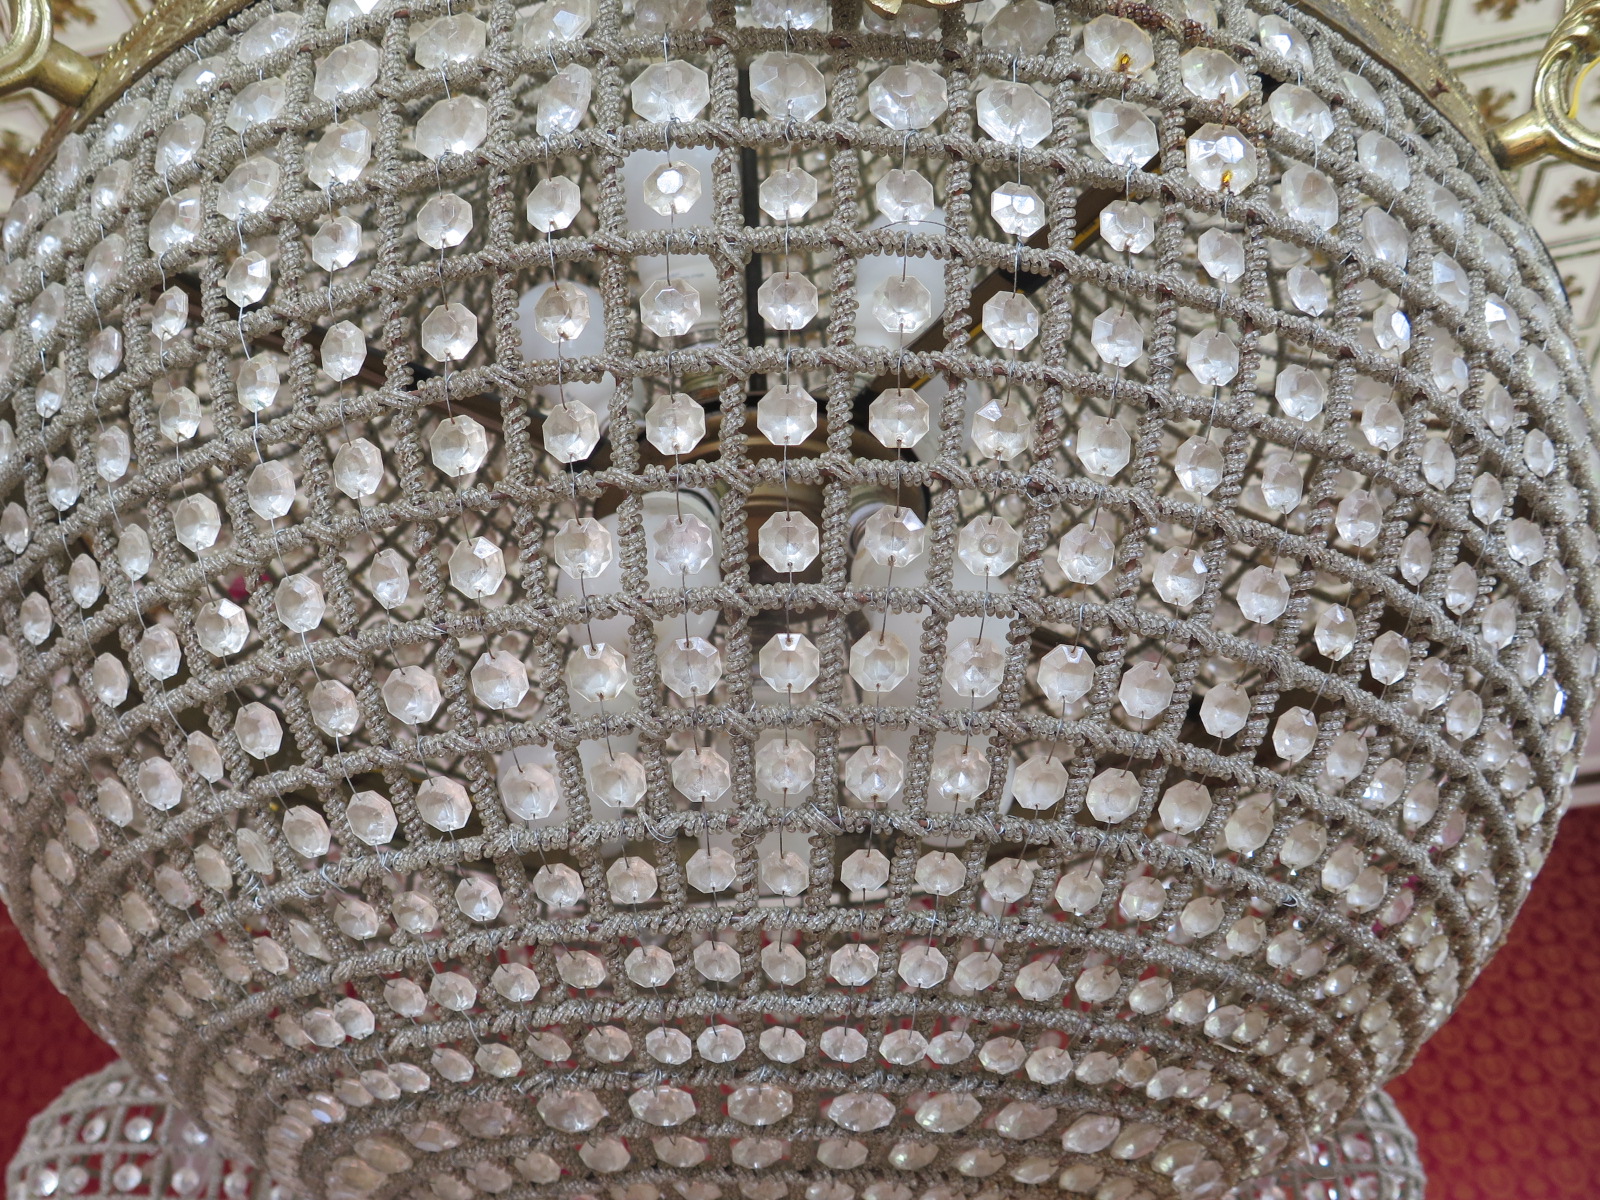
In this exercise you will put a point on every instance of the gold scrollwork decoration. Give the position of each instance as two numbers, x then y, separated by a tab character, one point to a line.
32	58
1551	127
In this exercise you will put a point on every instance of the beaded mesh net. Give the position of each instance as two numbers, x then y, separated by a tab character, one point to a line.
111	1135
1372	1156
1058	651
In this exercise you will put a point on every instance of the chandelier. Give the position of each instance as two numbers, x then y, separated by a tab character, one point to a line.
779	600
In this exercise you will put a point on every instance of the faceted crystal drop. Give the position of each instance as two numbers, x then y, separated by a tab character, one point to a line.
988	546
1117	337
459	446
249	188
270	490
1014	114
553	203
561	312
1086	554
104	264
672	188
1300	392
1123	133
670	91
1066	674
908	96
564	101
477	568
582	547
787	300
336	243
455	125
1146	690
1023	27
902	304
1385	159
334	708
704	777
1180	576
1295	734
444	221
669	308
1117	44
352	67
1222	255
1385	238
571	431
1301	111
788	194
690	666
789	662
1212	358
453	39
616	780
1308	291
344	351
1359	518
1225	710
879	662
789	541
894	536
389	579
1017	209
197	522
450	331
554	21
1001	429
260	734
1335	632
898	417
1263	594
1039	783
874	775
974	667
529	792
1213	75
1127	226
785	767
1198	466
247	279
682	545
1010	320
675	424
1281	484
1220	157
256	104
597	673
1103	446
787	86
905	196
299	602
1310	196
340	155
411	694
357	468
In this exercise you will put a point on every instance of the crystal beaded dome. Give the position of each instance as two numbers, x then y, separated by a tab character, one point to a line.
110	1136
1373	1156
777	602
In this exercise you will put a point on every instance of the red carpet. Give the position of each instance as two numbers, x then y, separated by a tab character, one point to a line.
1504	1099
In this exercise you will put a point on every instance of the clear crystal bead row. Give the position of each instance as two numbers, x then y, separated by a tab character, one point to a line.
995	597
111	1135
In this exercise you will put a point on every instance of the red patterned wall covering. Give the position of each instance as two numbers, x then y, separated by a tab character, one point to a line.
1504	1099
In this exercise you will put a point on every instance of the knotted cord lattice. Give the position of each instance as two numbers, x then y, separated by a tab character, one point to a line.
311	910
